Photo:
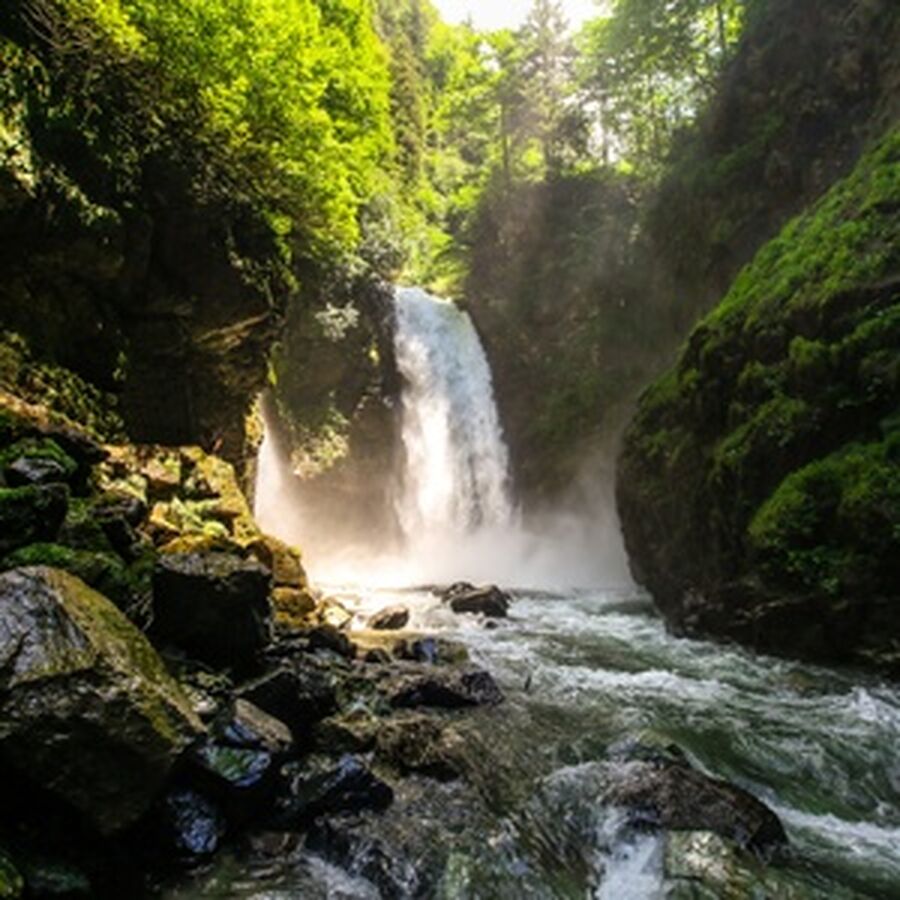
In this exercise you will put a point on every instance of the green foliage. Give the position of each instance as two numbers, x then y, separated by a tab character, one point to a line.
833	527
284	102
649	69
60	389
779	418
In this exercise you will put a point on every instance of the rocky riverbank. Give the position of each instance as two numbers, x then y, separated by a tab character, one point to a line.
170	678
173	685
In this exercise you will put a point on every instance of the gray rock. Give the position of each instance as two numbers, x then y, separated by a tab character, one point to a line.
391	619
213	606
87	709
447	689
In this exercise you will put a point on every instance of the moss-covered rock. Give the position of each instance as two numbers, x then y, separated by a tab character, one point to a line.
106	573
31	513
36	461
757	485
88	711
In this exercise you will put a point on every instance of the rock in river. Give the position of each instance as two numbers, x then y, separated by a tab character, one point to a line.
447	689
87	709
488	601
391	619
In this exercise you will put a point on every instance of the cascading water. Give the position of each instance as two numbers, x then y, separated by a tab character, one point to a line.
455	479
453	496
583	671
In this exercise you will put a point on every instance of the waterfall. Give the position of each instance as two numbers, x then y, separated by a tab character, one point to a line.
452	492
455	476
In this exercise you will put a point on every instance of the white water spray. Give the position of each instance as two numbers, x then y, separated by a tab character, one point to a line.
453	497
455	479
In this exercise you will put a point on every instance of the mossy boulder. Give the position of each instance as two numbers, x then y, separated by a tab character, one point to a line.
36	461
105	572
758	480
31	513
87	708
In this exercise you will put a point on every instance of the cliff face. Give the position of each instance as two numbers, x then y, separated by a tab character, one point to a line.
759	480
583	288
125	257
812	83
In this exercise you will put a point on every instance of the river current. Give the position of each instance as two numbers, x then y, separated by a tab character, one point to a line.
582	671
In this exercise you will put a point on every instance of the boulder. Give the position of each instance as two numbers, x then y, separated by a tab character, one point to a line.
192	825
391	619
292	608
447	689
282	560
421	744
672	795
350	732
434	651
299	695
31	514
365	857
213	606
241	758
327	637
320	786
486	601
37	461
87	709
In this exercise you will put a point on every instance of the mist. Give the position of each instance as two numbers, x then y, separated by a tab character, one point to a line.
452	514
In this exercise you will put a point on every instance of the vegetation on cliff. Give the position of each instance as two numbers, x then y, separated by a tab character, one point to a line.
759	478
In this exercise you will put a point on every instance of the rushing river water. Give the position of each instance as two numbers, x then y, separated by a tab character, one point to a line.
581	671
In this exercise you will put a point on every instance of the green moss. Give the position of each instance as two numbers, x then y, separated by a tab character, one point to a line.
104	572
39	449
31	513
833	527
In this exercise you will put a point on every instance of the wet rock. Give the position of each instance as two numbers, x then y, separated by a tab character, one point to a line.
249	726
87	709
448	593
31	514
444	689
352	732
391	619
214	606
193	826
333	613
486	601
37	461
378	656
327	637
434	651
298	695
675	796
320	786
421	744
365	857
241	759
